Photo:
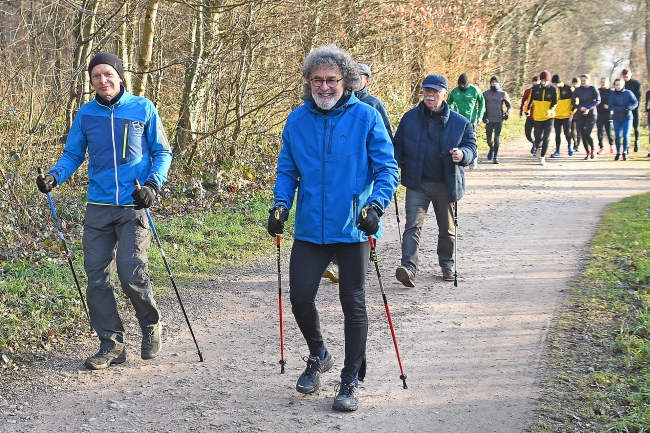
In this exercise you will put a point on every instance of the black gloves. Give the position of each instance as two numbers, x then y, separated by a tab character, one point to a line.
521	114
505	116
485	119
145	196
369	220
46	183
277	217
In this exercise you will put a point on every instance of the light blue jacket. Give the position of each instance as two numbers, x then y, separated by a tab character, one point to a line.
124	142
339	162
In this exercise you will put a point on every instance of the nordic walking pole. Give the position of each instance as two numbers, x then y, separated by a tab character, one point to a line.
455	222
373	254
169	271
282	361
399	231
65	248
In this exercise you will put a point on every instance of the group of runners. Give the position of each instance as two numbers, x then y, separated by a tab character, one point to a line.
576	109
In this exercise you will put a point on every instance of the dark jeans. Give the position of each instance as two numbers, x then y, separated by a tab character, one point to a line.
490	129
117	237
604	126
635	124
528	129
308	261
542	131
584	126
417	205
562	124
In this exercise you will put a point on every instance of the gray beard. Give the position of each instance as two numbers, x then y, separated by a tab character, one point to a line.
325	104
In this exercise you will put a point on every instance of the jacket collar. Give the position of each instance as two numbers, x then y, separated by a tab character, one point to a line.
352	99
425	112
115	101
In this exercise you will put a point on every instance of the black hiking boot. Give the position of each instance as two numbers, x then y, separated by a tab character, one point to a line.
309	380
151	341
105	357
347	398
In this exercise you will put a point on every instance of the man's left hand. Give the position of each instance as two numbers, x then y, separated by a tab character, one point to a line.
144	197
456	155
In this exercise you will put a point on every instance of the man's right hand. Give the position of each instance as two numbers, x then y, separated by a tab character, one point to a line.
45	183
277	217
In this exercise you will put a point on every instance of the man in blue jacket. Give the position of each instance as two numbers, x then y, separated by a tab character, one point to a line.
124	138
338	154
432	145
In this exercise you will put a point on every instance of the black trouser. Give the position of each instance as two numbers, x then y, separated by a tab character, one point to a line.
635	125
574	133
493	127
528	128
542	131
561	124
584	125
604	125
308	261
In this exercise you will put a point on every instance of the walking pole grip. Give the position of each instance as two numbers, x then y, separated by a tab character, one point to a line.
169	272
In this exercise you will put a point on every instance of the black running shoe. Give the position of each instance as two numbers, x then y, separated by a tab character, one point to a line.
309	380
347	398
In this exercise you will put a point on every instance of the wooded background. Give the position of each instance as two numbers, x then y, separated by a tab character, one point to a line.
224	74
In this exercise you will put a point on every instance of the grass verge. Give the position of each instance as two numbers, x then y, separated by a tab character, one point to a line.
40	308
598	361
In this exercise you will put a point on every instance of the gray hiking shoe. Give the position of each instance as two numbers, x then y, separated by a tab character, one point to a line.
347	398
405	276
309	380
332	272
151	341
104	357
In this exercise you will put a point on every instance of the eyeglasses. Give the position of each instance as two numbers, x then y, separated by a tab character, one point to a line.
331	82
430	90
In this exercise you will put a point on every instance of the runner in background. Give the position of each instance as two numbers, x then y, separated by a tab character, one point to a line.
633	86
528	127
563	114
577	139
604	118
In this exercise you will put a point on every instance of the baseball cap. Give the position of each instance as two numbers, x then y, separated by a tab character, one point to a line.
364	69
437	82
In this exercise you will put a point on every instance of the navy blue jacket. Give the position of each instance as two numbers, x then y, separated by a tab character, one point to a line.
375	103
411	139
622	103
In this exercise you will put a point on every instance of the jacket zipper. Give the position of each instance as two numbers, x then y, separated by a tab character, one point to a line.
117	184
329	143
354	209
125	141
322	187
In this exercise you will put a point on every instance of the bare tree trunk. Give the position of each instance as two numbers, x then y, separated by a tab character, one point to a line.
123	47
647	37
146	48
85	26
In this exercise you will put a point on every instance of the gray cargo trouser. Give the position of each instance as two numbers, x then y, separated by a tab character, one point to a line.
417	205
117	237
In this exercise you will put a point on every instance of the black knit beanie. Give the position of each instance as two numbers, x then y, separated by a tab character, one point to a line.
556	79
463	80
107	58
494	78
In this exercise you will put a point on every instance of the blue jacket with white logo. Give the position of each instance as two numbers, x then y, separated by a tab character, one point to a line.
339	162
125	141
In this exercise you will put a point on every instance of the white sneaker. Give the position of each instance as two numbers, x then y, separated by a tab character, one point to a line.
542	160
474	163
332	272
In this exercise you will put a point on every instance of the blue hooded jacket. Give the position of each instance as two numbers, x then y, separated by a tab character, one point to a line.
339	161
125	141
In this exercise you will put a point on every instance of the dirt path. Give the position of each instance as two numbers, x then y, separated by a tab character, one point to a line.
471	353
